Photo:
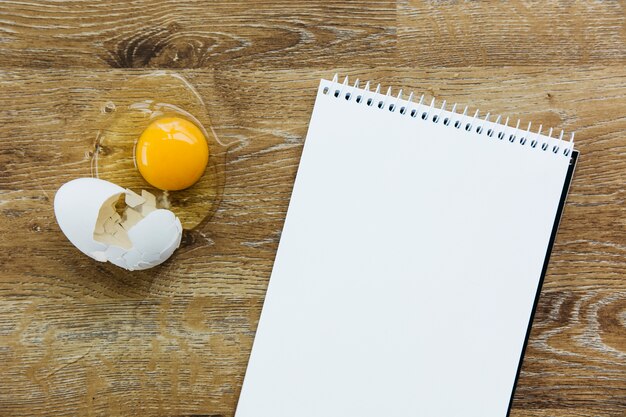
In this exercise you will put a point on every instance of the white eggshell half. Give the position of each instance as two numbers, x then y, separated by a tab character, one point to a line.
154	238
76	207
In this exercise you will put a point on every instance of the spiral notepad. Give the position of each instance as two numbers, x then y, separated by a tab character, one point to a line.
410	262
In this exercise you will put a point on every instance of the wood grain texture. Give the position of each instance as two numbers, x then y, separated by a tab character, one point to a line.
486	33
82	338
196	34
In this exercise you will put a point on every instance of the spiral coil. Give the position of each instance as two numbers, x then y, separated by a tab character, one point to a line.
471	124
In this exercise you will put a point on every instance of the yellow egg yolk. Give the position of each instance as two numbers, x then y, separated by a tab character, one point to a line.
172	153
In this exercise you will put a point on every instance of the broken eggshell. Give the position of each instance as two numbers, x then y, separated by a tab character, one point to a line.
134	237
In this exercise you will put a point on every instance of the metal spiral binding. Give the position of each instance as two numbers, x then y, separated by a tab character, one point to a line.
501	131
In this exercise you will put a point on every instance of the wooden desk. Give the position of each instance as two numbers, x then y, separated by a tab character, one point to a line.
82	338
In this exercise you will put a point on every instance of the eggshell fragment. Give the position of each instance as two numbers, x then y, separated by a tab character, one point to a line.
88	213
133	199
149	198
147	208
131	217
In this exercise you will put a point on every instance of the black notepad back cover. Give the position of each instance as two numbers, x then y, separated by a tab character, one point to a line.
555	227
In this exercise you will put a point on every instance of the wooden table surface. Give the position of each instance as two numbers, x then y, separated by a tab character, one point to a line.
82	338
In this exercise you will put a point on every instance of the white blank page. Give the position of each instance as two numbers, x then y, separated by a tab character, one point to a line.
408	265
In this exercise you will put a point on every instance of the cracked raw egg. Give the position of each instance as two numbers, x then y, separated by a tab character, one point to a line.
154	133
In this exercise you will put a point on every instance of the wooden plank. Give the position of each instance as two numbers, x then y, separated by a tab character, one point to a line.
124	357
495	33
187	355
196	34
